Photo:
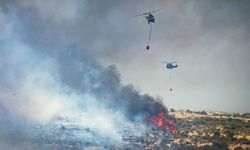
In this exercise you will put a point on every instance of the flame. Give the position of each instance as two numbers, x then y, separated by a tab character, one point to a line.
161	121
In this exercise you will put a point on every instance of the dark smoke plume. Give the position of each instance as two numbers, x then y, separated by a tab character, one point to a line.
53	89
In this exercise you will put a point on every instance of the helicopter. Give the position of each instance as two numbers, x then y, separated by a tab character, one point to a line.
150	19
170	65
149	16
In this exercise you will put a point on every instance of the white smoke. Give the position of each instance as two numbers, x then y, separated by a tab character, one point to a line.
38	87
65	11
31	87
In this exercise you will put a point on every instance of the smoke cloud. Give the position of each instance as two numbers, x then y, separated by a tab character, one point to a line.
43	79
54	56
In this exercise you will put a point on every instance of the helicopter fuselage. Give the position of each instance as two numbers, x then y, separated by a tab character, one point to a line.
150	18
171	66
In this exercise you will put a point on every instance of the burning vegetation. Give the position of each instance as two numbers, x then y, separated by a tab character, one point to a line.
163	122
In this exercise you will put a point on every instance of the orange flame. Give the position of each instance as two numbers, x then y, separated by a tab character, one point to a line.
164	123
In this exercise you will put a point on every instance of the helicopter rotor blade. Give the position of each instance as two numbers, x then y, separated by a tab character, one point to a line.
147	13
171	62
143	14
154	11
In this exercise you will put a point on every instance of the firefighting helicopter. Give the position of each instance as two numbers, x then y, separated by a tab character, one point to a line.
170	66
151	19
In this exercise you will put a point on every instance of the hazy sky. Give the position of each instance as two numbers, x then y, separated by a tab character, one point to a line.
209	39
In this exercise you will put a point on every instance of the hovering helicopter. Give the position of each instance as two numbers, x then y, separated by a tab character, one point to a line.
149	16
170	65
151	19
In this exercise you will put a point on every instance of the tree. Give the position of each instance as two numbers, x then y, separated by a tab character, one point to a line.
172	110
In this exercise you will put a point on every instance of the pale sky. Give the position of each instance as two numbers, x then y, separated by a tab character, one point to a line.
209	39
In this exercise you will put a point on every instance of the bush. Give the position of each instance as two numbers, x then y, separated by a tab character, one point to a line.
220	145
203	112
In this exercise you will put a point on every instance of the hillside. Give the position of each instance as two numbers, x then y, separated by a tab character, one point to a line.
202	130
